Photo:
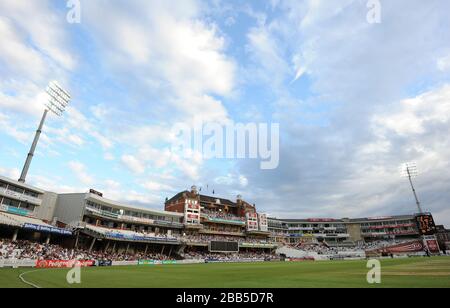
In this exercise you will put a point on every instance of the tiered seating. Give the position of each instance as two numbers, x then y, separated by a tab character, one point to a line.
128	235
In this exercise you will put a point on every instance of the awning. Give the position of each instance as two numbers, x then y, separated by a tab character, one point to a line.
21	220
6	220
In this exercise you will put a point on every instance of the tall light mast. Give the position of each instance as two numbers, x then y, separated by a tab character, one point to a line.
58	99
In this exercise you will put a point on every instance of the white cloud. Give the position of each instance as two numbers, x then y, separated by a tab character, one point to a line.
12	173
53	135
443	64
142	135
224	180
53	183
299	67
133	164
19	58
77	121
189	164
243	181
75	140
346	162
268	54
415	115
319	10
156	187
109	156
167	50
202	108
164	43
19	95
8	127
43	26
231	180
81	172
112	185
34	51
366	179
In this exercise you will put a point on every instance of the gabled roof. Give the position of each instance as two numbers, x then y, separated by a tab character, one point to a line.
203	198
177	196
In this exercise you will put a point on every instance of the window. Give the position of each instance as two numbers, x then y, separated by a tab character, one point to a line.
106	209
3	185
16	189
31	193
28	207
11	202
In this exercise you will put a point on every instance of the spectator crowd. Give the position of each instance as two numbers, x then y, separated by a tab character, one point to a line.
26	250
203	238
325	249
221	215
241	256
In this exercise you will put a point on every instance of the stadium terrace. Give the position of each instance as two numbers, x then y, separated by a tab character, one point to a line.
43	228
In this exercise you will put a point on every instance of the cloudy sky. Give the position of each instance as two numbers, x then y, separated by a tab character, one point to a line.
353	99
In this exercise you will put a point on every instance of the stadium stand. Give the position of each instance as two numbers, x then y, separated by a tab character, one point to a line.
192	227
26	250
129	235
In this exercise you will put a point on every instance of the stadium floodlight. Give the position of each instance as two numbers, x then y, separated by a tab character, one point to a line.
409	170
58	99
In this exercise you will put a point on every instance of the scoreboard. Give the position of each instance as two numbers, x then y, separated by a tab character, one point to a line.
425	224
252	221
217	246
263	225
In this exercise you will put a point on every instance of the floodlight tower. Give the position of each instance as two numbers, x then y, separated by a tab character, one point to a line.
409	170
58	99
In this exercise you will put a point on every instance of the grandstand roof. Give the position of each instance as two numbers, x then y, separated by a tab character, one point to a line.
344	220
119	205
308	220
384	218
18	221
20	184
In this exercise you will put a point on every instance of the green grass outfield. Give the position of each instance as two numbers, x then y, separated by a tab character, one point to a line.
414	272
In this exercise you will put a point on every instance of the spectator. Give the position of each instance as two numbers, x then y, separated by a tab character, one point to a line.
26	250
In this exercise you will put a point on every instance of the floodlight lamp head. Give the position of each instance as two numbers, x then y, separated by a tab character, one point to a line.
409	170
58	98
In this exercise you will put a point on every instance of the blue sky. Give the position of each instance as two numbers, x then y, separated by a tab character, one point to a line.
354	100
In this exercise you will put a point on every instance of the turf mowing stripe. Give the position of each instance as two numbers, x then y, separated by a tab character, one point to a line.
27	282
